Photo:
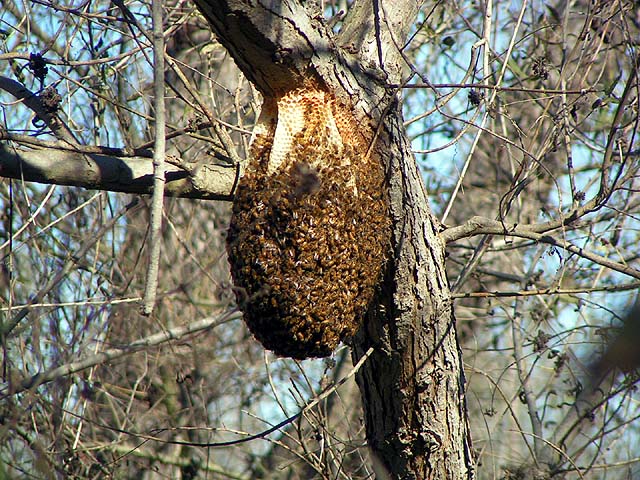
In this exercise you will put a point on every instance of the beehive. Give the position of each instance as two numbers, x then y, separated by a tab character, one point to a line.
309	229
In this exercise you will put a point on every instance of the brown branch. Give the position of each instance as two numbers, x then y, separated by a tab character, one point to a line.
166	459
548	291
471	227
33	141
606	190
102	168
117	352
34	102
482	86
206	181
249	438
485	226
7	326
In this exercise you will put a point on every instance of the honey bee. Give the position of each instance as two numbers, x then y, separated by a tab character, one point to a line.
305	245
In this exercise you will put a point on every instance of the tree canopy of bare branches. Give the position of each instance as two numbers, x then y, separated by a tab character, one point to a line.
501	340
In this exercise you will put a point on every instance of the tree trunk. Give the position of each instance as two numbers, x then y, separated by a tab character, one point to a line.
413	384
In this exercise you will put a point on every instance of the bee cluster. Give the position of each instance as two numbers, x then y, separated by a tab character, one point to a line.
307	242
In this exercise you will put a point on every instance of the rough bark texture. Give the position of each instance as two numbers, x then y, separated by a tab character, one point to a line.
413	384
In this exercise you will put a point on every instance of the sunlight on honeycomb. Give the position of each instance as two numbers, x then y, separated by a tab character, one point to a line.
309	231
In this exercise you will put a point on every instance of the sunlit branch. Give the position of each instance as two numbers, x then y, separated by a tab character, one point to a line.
206	180
485	226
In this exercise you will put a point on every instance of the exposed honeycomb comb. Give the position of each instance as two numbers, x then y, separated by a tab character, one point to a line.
309	230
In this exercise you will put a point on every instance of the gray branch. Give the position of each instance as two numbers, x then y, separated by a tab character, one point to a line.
34	102
485	226
212	180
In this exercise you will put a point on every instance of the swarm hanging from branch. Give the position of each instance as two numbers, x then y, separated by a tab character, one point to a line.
309	231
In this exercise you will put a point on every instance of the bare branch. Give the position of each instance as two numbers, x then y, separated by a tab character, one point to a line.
159	153
548	291
480	225
111	354
8	326
630	88
34	102
166	459
249	438
206	181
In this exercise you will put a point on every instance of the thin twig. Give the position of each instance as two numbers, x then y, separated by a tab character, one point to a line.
606	189
486	226
180	461
62	145
486	240
527	395
548	291
498	88
249	438
5	329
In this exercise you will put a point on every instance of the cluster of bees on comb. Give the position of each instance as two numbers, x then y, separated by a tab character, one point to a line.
309	231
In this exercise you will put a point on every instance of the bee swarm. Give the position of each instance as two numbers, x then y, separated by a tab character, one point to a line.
309	231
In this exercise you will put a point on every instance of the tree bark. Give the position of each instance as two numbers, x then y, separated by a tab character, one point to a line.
214	180
413	385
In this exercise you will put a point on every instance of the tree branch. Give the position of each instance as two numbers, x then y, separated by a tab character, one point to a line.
34	102
114	353
207	181
485	226
159	163
167	459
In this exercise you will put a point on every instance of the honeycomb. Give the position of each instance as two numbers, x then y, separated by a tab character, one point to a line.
309	231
